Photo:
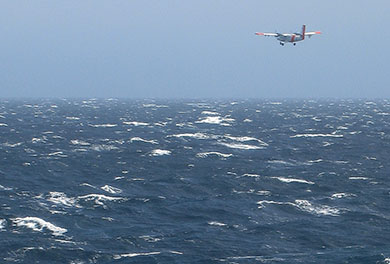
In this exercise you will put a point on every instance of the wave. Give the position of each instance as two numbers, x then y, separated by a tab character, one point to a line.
143	140
194	135
213	153
216	120
154	105
103	147
38	224
245	139
61	199
240	146
58	154
251	175
305	206
281	162
319	209
359	178
38	140
99	199
135	123
131	255
160	152
209	113
111	189
342	195
79	142
5	188
12	145
317	135
215	223
72	118
3	223
104	125
289	180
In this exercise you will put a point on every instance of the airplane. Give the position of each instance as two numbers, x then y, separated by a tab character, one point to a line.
290	37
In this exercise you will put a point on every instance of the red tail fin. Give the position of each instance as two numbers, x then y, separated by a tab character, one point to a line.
303	31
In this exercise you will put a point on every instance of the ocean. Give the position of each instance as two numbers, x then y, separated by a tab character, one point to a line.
194	181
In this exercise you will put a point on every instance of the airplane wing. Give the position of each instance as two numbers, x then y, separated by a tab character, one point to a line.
312	33
267	34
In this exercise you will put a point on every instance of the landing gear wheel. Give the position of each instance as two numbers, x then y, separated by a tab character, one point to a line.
281	43
295	44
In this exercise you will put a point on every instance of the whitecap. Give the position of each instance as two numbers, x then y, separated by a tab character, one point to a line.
5	188
79	142
58	154
216	120
88	185
266	193
281	162
315	161
239	146
251	175
111	189
160	152
316	135
3	223
176	252
154	105
209	113
37	140
262	203
143	140
150	239
61	199
72	118
306	206
358	178
245	139
103	147
213	153
131	255
289	180
248	120
215	223
99	199
38	224
135	123
104	125
342	195
12	145
3	124
193	135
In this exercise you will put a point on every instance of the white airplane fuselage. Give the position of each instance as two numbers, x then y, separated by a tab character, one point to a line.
290	38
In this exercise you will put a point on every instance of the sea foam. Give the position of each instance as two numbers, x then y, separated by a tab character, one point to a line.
38	224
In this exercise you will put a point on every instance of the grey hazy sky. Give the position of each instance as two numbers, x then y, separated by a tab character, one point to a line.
193	49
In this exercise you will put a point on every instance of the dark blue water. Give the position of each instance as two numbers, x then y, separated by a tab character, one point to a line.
116	181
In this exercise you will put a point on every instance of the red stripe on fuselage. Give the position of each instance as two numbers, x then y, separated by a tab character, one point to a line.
293	38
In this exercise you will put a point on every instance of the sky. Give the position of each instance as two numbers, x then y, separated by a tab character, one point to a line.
193	49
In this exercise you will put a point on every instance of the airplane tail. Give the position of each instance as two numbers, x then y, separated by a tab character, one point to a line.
303	31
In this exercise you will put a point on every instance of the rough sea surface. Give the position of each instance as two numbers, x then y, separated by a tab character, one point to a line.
127	181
